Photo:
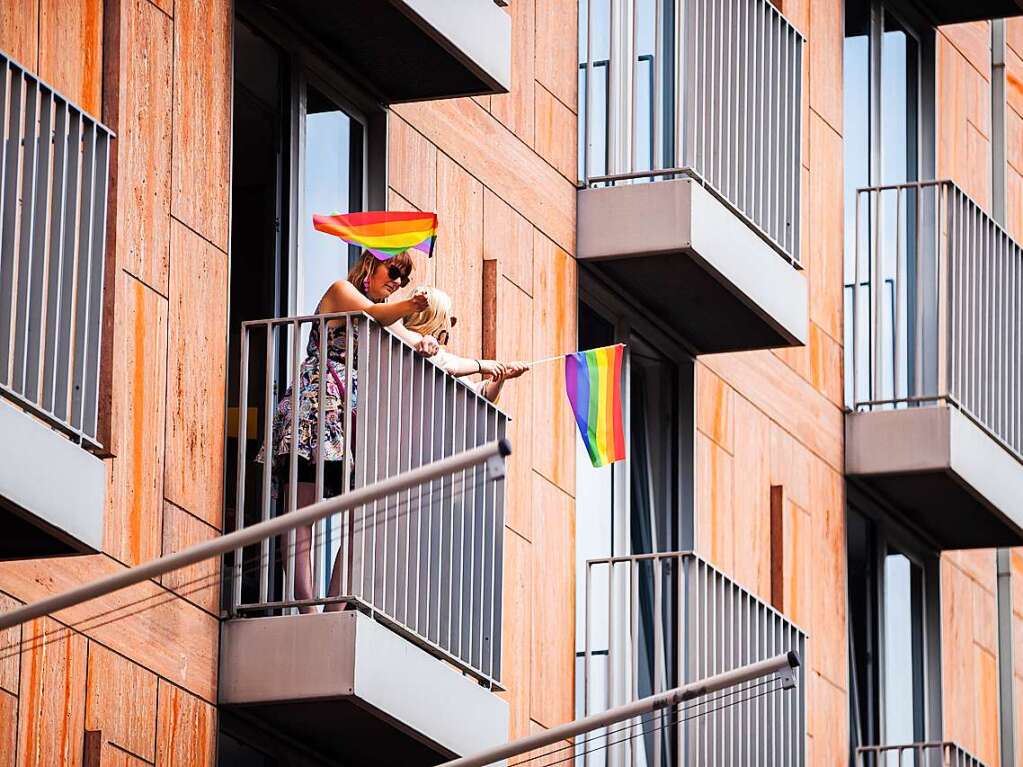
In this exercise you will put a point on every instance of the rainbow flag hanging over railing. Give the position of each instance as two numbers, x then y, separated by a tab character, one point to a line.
384	233
593	382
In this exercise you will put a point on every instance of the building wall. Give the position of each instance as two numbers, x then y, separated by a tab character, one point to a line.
139	665
500	172
774	418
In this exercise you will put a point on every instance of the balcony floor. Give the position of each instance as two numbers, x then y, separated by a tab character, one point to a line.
355	691
942	472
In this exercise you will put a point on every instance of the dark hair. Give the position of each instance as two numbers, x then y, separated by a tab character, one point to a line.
364	268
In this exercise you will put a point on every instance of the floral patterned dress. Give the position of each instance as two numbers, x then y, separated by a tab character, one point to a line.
308	402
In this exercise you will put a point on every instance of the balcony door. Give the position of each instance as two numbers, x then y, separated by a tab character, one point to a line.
888	136
636	507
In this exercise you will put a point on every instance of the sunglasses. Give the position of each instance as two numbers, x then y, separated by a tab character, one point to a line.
442	337
396	273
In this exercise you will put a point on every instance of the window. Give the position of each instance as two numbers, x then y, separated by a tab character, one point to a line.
893	623
639	506
305	141
888	139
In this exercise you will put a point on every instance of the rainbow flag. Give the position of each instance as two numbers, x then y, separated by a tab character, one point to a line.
384	233
593	382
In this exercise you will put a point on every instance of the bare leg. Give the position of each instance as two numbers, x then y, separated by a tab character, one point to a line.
334	589
303	548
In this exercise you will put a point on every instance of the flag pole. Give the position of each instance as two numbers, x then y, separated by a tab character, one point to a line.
542	361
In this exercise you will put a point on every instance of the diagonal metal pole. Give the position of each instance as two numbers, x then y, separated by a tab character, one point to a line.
784	664
493	454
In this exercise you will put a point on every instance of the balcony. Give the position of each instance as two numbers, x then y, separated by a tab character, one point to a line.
404	50
935	363
54	167
405	674
934	754
654	621
690	166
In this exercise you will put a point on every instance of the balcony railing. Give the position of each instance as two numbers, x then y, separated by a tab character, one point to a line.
427	562
698	88
933	754
54	167
654	621
935	308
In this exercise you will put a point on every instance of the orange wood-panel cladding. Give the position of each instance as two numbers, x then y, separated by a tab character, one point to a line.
51	723
518	617
143	119
71	49
8	728
19	28
121	701
199	583
516	109
186	729
135	488
197	354
202	117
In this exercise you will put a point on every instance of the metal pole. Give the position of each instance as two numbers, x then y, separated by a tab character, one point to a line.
785	663
249	535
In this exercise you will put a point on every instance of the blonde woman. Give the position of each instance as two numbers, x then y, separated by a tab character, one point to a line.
435	320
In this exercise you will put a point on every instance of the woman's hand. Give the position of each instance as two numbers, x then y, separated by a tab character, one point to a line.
513	370
417	302
491	369
427	346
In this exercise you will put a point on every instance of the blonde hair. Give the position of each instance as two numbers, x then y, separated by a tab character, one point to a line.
435	317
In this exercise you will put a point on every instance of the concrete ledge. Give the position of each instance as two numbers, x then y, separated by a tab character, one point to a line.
695	263
53	486
271	665
942	471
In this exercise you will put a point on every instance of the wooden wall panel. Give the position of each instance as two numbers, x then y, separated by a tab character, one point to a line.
135	488
714	528
51	701
19	26
424	268
143	143
202	117
958	659
798	567
186	729
557	49
554	332
8	729
487	150
751	500
973	40
517	639
197	357
199	583
515	342
825	258
459	252
111	756
145	622
412	167
9	641
121	701
827	714
556	133
508	239
715	405
826	365
553	635
824	60
828	623
71	50
515	109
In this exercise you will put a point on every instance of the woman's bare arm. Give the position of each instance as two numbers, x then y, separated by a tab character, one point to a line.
342	296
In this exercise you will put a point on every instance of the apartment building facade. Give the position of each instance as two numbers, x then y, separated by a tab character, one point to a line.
802	218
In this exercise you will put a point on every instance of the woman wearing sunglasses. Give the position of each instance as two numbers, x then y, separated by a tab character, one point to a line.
436	320
370	283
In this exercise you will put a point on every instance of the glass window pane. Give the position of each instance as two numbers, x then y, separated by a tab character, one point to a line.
332	183
903	650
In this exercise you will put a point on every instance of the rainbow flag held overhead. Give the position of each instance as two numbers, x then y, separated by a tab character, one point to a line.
593	382
384	233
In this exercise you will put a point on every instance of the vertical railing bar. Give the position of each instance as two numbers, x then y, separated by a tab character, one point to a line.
588	593
239	503
635	724
318	540
56	265
268	461
8	244
346	523
658	664
32	336
97	244
28	219
290	554
898	308
62	373
84	272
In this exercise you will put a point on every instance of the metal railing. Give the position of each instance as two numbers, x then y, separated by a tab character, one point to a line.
427	562
654	621
700	88
949	326
54	169
933	754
